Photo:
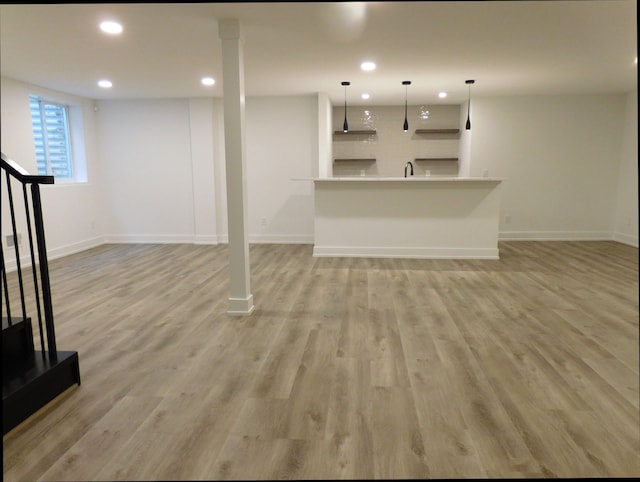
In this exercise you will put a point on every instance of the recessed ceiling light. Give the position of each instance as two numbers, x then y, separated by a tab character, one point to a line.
365	96
105	84
368	65
208	81
442	95
111	27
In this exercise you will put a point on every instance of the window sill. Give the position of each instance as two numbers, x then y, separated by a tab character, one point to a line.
69	182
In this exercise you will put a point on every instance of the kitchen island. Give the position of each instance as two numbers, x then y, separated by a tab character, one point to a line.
414	217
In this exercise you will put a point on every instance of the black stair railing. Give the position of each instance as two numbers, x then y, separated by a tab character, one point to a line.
14	173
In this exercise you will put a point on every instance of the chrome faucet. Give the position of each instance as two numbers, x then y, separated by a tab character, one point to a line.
408	164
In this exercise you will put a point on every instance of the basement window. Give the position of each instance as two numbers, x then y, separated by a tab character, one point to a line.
53	135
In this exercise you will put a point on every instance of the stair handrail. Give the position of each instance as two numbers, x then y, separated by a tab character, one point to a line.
21	174
14	170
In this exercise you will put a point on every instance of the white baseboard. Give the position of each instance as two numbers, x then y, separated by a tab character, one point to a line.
54	253
623	238
417	252
205	239
281	238
241	306
75	247
329	251
554	236
273	239
149	239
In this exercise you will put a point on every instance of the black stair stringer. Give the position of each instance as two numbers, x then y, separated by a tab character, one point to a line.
17	341
33	383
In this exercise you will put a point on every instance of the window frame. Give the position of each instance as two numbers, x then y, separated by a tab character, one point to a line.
72	116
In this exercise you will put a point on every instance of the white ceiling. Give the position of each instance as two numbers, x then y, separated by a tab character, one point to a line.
508	47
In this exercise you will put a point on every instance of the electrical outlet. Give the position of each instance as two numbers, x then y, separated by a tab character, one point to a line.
507	219
263	221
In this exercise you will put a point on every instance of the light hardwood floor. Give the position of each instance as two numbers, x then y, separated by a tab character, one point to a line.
348	368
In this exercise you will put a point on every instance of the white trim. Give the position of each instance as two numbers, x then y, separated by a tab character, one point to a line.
416	253
75	248
555	236
205	239
626	239
150	239
60	252
455	179
281	238
329	251
162	239
241	306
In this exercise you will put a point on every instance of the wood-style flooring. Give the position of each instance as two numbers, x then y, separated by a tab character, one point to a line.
525	366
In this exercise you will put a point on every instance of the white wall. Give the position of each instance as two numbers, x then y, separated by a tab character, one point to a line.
145	155
281	143
73	213
325	130
464	147
560	156
626	219
220	170
164	169
201	126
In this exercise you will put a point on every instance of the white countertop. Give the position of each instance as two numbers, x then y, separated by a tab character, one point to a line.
402	179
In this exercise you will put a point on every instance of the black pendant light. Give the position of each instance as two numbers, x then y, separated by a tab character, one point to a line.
469	82
405	127
345	126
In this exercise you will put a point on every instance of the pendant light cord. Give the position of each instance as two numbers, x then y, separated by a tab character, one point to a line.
405	101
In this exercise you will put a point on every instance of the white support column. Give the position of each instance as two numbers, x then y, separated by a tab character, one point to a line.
240	297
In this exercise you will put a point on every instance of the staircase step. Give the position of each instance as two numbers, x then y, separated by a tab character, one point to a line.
17	340
31	384
14	324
